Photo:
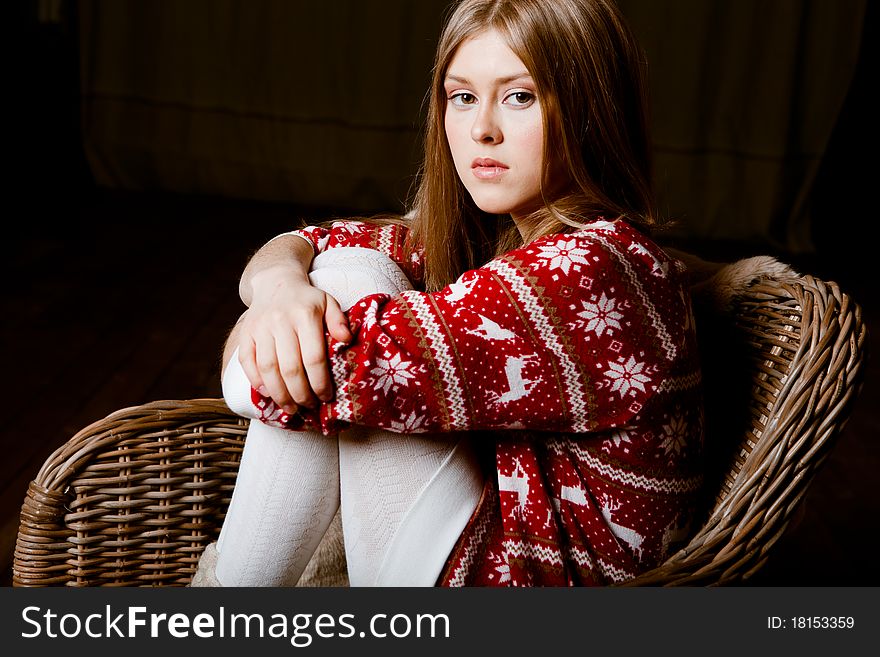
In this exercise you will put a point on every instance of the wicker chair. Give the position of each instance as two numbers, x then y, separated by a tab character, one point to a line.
133	499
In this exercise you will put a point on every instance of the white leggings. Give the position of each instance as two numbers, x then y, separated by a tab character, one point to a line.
404	498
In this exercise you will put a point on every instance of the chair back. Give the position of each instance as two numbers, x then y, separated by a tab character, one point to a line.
782	366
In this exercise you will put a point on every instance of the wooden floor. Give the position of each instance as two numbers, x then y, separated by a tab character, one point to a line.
127	299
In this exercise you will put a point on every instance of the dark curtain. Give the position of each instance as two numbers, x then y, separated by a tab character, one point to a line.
319	103
745	94
316	103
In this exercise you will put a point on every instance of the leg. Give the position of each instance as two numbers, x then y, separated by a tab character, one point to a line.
405	501
327	566
230	346
405	498
286	494
288	483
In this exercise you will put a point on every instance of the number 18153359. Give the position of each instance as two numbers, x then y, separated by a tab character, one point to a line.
811	622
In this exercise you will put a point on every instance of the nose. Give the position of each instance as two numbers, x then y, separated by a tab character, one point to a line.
486	129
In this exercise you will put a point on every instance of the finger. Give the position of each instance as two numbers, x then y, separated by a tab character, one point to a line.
247	356
288	352
267	364
313	346
337	321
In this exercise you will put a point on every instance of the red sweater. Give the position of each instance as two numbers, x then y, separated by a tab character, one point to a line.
574	360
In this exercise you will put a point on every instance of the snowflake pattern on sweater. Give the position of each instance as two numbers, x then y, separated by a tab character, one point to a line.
575	355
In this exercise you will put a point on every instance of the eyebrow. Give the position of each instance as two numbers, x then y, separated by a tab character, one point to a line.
504	80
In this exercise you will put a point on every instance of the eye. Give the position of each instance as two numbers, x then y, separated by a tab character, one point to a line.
520	99
462	99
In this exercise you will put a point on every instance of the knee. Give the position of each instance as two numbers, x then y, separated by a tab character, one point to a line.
230	347
350	273
235	384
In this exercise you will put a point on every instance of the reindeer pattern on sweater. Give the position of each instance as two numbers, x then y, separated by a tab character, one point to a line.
574	359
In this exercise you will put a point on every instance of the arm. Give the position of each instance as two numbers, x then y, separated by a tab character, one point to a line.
533	340
281	340
285	257
281	337
390	239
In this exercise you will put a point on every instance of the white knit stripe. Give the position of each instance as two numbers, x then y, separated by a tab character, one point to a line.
665	339
631	479
524	550
582	558
386	241
615	573
518	549
467	560
534	310
443	356
342	402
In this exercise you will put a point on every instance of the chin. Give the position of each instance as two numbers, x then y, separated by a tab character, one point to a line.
494	209
493	206
505	209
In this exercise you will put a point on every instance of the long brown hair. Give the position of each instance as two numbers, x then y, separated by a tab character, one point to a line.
590	78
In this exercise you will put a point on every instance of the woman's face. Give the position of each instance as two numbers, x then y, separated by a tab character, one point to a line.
494	126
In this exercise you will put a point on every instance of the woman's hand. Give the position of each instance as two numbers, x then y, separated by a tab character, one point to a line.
282	348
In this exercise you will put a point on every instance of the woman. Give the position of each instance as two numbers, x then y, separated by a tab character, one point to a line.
568	359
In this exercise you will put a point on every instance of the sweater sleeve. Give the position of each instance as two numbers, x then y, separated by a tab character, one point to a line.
556	336
389	239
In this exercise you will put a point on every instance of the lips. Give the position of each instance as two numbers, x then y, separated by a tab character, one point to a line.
485	168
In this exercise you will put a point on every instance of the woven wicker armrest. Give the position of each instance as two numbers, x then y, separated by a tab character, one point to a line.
132	499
